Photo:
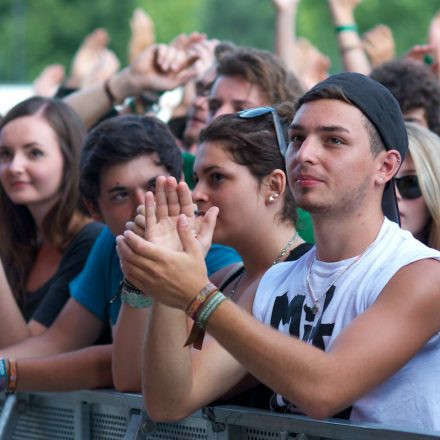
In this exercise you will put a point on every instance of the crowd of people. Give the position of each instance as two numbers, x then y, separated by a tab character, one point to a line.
292	215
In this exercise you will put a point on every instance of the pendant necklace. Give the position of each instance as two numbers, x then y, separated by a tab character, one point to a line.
277	260
316	299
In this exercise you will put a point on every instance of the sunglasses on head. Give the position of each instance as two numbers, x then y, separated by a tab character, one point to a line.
408	187
260	111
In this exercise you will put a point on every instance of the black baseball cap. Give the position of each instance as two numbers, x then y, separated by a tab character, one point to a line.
378	104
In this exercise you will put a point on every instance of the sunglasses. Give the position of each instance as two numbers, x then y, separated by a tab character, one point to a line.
408	187
261	111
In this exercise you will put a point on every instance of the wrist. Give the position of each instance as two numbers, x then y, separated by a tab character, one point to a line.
347	28
121	86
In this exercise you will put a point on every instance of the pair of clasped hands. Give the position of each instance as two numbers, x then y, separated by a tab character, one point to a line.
162	251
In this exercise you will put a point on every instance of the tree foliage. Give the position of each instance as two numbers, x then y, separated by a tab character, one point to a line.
35	33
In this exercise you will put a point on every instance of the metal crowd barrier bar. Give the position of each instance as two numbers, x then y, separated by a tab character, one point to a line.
109	415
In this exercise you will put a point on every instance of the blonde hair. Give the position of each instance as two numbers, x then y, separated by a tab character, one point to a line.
424	148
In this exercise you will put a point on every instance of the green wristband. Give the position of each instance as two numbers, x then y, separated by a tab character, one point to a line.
346	27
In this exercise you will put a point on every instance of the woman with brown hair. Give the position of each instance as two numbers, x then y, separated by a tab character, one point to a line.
240	169
46	233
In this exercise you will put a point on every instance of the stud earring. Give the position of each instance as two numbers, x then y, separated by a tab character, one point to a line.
273	197
381	179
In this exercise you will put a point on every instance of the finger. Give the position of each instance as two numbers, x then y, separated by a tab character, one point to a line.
161	198
140	247
141	210
185	200
172	197
136	269
133	227
185	75
206	230
186	235
139	221
150	211
164	56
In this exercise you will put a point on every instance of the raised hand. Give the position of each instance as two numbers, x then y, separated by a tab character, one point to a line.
142	33
93	62
159	67
379	44
156	220
171	276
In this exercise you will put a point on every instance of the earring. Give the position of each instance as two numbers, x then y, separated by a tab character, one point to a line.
273	197
381	179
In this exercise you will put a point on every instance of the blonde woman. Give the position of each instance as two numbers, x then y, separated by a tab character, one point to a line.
418	186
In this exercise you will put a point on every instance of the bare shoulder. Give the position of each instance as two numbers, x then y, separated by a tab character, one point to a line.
415	289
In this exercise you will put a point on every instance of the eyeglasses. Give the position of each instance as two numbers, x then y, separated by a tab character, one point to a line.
408	187
260	111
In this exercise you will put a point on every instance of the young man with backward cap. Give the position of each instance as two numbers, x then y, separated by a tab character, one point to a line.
356	319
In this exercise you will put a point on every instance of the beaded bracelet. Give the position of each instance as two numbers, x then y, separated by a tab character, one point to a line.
346	27
132	296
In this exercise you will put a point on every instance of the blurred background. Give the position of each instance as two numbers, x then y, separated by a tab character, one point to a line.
35	33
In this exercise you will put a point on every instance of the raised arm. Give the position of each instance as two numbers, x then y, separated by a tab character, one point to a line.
353	56
285	32
158	67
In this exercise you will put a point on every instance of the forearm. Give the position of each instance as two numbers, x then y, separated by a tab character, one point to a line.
167	364
128	348
13	327
354	58
312	378
285	35
81	369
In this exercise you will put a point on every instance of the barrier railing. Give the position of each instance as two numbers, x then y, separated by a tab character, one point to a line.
108	415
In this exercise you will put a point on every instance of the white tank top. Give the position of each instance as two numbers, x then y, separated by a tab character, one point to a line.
411	396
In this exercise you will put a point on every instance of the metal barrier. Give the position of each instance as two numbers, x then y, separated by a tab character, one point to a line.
108	415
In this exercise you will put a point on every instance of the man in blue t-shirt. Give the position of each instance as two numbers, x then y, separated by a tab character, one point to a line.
121	159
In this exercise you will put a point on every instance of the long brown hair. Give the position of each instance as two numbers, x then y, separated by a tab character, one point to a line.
20	238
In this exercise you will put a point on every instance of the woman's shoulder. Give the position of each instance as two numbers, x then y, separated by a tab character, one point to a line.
85	237
221	277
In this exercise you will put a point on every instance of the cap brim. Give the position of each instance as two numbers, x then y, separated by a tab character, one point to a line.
389	202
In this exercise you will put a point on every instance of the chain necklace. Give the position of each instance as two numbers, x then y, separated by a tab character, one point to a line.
315	307
277	260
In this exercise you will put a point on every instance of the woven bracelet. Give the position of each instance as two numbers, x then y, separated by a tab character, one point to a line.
200	298
209	308
13	376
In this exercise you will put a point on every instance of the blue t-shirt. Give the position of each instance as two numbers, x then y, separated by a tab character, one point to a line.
97	287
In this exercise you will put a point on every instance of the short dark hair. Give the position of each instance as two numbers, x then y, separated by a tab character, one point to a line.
121	139
414	86
263	69
253	143
376	143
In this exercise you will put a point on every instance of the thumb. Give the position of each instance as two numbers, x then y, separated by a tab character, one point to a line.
186	235
206	230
